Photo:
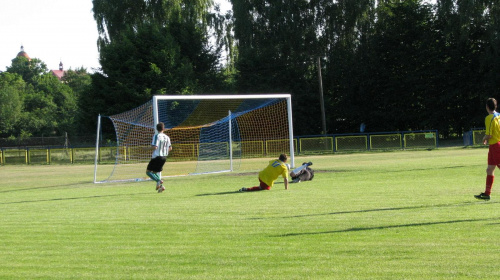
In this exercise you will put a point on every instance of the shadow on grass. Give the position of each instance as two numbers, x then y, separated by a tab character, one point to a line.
379	210
218	193
433	168
232	192
386	227
44	187
74	198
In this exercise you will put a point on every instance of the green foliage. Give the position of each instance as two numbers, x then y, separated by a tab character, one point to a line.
277	50
28	69
434	63
146	62
379	59
158	47
397	61
114	17
51	107
35	102
78	80
11	100
393	65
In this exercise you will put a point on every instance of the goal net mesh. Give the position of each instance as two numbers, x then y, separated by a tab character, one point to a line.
207	135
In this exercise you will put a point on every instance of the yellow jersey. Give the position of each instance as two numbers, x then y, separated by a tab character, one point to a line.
275	168
492	123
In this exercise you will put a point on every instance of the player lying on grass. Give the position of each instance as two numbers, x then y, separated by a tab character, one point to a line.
161	146
267	176
302	173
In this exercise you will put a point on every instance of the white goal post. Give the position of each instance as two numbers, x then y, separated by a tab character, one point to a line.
211	132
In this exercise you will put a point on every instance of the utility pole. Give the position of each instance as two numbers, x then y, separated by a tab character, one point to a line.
321	99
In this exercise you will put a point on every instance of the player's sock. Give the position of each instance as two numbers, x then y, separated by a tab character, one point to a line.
257	188
153	176
157	177
489	184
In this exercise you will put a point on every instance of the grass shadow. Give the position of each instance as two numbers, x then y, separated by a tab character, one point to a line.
218	193
74	198
375	210
385	227
45	187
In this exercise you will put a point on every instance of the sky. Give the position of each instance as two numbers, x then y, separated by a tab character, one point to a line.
53	31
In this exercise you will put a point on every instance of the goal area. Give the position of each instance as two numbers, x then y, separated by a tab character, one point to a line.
209	134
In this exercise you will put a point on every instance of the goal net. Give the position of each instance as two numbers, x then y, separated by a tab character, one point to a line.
209	133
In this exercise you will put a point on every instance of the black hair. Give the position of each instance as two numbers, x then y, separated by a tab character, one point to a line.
160	126
283	157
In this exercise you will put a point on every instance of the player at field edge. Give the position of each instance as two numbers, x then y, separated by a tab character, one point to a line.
491	137
267	176
161	146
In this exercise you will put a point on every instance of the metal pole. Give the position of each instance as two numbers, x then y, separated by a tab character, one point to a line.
156	119
321	99
97	147
290	130
230	143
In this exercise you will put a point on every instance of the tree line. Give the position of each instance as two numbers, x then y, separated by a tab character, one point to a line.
33	102
394	65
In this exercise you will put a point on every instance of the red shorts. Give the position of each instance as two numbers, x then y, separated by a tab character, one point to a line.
494	154
264	186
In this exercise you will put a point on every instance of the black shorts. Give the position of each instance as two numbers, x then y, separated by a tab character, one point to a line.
156	164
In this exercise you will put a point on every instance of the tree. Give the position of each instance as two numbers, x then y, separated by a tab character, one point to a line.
28	69
78	80
347	27
114	17
145	25
142	63
378	58
151	47
277	50
48	106
12	88
402	60
468	75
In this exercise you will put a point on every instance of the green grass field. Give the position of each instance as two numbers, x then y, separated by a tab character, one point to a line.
393	215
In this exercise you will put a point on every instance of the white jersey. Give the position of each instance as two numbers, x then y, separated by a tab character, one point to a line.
162	141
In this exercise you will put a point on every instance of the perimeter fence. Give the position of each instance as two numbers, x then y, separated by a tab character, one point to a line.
358	142
474	137
61	150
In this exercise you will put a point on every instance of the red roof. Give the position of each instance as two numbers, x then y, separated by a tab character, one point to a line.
23	53
58	73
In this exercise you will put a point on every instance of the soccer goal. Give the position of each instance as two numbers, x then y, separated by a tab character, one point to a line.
209	133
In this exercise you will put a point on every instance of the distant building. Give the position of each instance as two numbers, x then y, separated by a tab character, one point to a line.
23	53
59	74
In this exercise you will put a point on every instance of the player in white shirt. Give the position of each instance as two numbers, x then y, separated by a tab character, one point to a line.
161	146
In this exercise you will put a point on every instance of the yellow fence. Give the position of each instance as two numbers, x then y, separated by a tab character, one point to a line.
247	149
135	154
351	143
477	137
48	155
316	145
368	141
420	140
386	142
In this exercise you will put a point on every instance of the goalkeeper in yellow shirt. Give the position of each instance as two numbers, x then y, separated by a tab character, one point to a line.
267	176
